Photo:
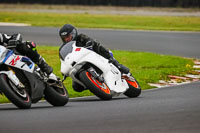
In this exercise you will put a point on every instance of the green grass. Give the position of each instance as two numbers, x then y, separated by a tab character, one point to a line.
104	21
146	67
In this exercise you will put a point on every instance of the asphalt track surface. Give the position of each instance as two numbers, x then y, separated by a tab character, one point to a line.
171	109
173	43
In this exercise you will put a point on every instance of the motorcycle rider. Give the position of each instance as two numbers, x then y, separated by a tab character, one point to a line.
26	48
69	33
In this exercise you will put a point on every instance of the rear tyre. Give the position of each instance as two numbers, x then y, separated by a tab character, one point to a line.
101	90
17	96
56	96
134	89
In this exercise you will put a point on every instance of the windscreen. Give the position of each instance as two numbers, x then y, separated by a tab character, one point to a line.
65	49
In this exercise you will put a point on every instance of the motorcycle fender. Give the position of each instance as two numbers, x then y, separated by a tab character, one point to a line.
65	70
11	75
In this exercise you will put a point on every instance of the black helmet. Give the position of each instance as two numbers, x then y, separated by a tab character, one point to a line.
67	30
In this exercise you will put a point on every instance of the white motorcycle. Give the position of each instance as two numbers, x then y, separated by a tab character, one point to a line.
23	83
94	72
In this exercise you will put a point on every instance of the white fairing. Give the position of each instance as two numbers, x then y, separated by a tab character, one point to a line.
80	56
9	58
3	52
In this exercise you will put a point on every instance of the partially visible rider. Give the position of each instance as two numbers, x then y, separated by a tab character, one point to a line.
26	48
69	33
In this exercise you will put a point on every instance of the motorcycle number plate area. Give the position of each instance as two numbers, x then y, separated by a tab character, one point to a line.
14	61
114	80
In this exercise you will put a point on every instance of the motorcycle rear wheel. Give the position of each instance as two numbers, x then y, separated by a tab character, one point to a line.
134	89
101	90
56	96
18	97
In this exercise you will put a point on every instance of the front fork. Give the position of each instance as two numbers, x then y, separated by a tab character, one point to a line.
12	76
93	72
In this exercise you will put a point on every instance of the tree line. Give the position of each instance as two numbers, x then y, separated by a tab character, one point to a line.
134	3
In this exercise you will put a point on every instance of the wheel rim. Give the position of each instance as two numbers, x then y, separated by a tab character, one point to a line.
101	86
22	93
134	84
61	91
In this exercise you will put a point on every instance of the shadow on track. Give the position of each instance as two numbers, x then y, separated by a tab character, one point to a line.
32	108
15	108
95	99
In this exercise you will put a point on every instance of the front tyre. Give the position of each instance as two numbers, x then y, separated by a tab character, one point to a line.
17	96
101	90
134	89
56	96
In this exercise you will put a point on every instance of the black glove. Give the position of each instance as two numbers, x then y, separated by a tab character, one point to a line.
111	60
89	43
30	44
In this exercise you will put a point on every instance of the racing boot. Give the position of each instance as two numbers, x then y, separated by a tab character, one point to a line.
122	68
44	66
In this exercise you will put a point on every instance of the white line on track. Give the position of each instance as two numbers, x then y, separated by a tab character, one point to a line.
13	24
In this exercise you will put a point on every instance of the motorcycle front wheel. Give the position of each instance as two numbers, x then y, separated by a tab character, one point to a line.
101	90
17	96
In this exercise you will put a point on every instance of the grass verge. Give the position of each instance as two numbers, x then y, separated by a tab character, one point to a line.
170	23
146	67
